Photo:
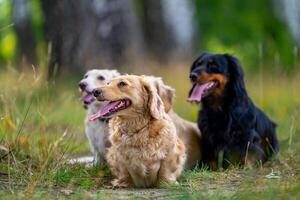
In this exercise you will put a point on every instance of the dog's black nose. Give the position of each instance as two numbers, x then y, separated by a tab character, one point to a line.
193	77
97	92
82	85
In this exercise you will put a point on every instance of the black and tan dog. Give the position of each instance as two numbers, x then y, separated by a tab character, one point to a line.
233	129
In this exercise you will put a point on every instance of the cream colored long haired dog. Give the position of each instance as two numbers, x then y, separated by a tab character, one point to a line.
145	149
187	131
96	131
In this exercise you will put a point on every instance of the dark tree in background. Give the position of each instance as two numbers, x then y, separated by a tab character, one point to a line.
157	33
168	28
117	31
112	33
87	33
23	27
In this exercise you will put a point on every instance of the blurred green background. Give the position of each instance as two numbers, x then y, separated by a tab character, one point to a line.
66	35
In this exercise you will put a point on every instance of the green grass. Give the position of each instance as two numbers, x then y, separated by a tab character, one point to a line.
41	123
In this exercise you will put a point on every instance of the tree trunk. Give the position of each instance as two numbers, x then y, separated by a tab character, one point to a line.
87	33
23	27
157	33
180	15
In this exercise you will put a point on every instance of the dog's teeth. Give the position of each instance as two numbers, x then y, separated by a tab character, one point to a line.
210	85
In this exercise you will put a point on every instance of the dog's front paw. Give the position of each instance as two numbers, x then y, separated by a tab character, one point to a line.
119	183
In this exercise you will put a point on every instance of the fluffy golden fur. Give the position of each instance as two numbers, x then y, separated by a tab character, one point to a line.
145	149
187	131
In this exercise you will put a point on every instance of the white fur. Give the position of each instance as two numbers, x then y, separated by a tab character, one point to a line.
97	131
86	160
93	74
97	134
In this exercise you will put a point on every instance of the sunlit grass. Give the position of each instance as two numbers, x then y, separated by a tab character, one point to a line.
52	131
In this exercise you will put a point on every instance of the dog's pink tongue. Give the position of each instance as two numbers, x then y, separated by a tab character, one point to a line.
103	111
89	98
198	92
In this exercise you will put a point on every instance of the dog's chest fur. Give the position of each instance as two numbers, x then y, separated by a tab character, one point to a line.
216	131
143	145
98	134
141	152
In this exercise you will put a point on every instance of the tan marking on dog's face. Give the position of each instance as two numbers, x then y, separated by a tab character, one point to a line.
140	91
221	79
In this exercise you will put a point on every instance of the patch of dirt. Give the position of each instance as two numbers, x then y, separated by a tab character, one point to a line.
122	194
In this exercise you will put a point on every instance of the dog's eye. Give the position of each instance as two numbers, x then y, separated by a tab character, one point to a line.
200	62
210	61
101	78
214	68
122	84
85	76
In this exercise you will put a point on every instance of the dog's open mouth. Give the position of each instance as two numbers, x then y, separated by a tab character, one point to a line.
201	90
111	108
88	98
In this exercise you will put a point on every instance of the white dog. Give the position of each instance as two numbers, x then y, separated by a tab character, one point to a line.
96	131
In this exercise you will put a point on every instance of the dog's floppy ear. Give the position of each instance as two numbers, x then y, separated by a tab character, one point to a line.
166	93
236	76
155	104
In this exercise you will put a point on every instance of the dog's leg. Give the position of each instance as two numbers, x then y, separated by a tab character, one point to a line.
254	156
145	176
122	182
118	169
99	159
96	159
172	166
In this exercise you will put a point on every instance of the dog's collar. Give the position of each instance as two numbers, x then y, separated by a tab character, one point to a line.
104	120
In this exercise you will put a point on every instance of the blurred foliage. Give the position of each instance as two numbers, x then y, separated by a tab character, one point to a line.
37	23
8	39
7	35
248	29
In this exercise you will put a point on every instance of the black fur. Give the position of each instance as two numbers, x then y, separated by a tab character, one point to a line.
230	123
